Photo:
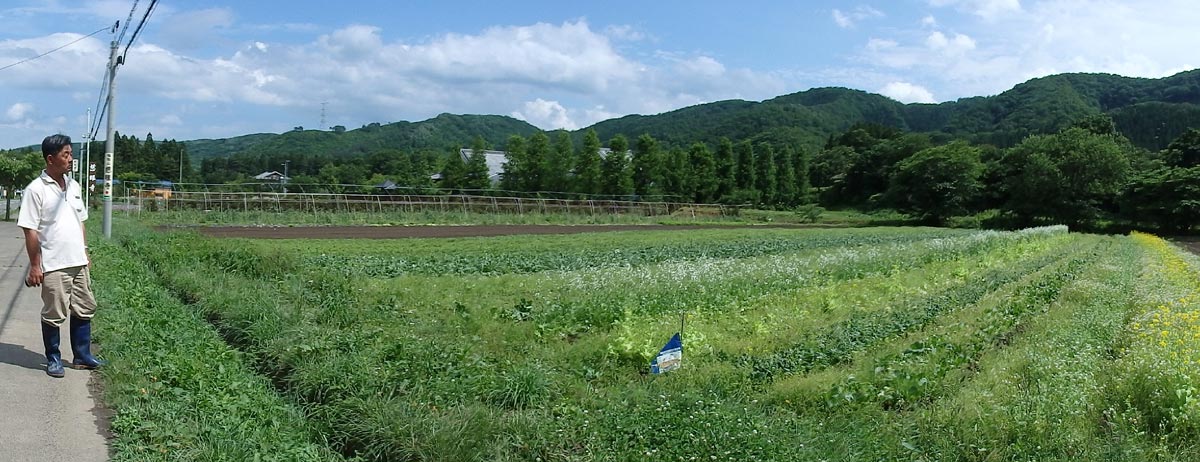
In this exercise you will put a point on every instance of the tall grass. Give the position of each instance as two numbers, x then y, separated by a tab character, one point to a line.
960	346
179	391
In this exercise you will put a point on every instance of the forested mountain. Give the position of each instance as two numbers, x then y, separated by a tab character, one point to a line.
439	133
1150	112
1093	151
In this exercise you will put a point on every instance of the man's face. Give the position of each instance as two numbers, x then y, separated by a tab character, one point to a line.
61	162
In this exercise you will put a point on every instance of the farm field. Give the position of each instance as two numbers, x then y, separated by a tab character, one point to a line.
847	344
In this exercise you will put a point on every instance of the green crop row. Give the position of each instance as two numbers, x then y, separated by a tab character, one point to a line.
842	341
597	298
534	365
943	357
1045	394
776	321
528	254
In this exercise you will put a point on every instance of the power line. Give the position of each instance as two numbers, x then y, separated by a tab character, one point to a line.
136	31
121	59
128	20
54	50
100	115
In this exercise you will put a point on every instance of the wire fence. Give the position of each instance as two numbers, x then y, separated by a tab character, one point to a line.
161	199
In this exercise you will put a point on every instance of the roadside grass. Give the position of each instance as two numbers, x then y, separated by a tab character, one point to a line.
178	390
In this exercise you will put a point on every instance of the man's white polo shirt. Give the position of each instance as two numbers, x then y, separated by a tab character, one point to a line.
58	218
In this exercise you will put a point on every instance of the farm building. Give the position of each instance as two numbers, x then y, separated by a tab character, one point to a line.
496	160
271	176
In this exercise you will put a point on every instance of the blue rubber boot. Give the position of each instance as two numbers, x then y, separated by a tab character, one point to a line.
50	339
81	344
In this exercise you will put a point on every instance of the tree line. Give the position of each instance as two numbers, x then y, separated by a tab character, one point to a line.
1088	175
742	173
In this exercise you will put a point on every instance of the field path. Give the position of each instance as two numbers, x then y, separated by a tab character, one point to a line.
401	232
1192	244
42	418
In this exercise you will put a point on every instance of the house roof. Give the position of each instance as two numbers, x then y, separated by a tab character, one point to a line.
387	184
495	161
271	175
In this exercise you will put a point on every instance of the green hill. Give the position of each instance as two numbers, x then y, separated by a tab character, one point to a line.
1151	112
439	133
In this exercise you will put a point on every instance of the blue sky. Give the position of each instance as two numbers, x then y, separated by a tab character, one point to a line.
216	69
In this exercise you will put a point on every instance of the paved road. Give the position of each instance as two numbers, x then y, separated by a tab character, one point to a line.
41	418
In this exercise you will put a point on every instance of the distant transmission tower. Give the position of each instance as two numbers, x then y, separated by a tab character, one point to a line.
323	104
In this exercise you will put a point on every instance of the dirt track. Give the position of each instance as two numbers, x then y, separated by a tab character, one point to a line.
401	232
1191	243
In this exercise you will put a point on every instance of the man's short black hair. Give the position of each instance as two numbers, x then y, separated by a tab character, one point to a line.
53	144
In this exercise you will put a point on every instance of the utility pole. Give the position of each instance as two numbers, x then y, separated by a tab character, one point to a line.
110	143
285	177
88	176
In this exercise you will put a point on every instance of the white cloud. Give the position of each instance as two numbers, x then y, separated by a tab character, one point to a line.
841	19
905	92
1009	44
701	66
97	8
596	114
848	20
881	44
625	33
555	75
353	42
957	45
544	114
81	62
18	111
190	30
986	9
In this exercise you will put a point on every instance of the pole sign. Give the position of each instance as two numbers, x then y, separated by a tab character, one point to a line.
108	175
91	177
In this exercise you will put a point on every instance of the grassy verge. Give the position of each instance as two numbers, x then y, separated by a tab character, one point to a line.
179	391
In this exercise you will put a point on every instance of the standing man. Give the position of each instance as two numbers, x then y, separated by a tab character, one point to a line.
52	216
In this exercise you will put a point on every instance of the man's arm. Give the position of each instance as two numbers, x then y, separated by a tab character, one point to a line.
33	247
85	246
